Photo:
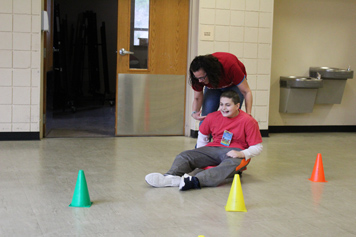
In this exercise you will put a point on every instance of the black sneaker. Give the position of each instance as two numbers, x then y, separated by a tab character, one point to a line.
189	182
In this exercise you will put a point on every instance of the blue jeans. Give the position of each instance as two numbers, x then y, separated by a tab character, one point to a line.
211	101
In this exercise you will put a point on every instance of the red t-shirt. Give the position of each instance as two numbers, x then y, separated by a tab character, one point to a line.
244	128
234	71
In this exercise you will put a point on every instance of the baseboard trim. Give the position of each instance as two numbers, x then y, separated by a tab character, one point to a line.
193	133
310	129
19	136
264	133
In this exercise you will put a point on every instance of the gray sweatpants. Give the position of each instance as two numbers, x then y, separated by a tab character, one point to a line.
187	161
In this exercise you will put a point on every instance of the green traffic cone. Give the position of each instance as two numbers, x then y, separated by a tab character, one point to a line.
81	194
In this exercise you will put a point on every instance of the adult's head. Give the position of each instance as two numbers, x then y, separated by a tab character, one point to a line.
229	104
205	69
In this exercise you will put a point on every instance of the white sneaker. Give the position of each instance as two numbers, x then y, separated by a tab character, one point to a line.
160	181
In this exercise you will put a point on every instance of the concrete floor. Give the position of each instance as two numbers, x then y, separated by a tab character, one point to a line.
37	181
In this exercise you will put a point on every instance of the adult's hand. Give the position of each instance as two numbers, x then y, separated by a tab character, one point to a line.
197	116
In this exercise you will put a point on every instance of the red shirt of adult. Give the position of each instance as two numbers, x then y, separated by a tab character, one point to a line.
234	72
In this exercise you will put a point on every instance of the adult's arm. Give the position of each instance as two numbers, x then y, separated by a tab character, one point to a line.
247	93
197	103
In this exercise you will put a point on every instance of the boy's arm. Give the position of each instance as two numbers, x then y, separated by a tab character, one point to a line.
202	140
248	153
253	136
252	151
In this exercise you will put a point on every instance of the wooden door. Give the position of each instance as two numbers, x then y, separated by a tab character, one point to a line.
150	100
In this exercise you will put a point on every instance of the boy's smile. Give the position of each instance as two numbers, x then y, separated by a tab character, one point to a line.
228	108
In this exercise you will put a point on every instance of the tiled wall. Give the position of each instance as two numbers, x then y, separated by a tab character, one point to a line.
244	28
20	59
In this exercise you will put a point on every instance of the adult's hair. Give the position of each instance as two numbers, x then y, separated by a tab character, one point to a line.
210	65
233	95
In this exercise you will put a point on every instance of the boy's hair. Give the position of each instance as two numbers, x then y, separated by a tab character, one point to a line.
233	95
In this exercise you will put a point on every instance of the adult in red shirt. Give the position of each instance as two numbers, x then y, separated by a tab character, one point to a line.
236	139
210	76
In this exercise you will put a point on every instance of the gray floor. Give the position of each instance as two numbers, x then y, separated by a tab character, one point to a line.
38	178
87	121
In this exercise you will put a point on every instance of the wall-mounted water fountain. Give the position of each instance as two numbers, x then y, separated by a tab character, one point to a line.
297	94
334	83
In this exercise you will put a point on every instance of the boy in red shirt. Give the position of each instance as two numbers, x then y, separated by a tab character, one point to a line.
236	137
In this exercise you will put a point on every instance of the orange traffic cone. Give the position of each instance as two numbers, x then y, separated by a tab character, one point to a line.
236	202
318	171
243	163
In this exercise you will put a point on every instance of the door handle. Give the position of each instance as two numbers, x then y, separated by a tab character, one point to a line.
124	52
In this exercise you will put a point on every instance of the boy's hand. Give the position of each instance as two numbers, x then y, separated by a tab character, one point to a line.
235	154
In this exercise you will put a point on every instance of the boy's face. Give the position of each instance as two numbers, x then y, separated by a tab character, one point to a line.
228	108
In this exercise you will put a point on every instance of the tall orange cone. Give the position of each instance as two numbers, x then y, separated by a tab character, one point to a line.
236	202
81	193
318	171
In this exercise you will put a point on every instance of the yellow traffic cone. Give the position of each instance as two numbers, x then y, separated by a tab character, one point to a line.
236	202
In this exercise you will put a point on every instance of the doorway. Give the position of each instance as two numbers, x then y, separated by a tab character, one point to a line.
81	86
80	97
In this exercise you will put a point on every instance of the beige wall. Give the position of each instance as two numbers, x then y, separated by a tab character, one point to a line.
243	28
305	33
313	33
20	64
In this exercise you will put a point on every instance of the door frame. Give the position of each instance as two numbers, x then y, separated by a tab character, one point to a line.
193	41
193	37
47	58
